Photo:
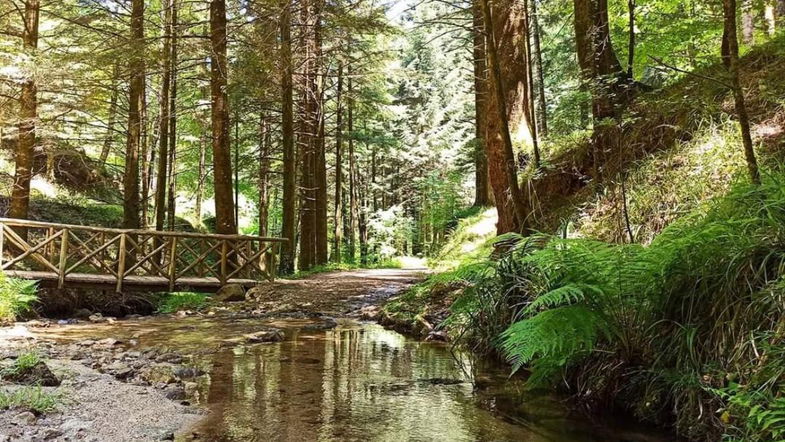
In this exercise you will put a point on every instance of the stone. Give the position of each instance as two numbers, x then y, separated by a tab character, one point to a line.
96	317
175	393
272	335
438	336
108	342
24	418
82	313
187	372
173	358
51	433
230	293
38	374
159	374
191	388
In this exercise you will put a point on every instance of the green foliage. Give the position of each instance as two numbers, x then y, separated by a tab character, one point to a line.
659	329
22	363
176	301
17	297
33	398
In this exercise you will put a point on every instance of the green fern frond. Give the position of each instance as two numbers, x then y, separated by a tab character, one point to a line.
560	334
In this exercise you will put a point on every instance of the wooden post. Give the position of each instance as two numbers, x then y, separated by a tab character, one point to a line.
224	263
121	264
172	262
63	258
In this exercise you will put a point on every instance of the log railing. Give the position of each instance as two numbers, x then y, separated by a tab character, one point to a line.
71	253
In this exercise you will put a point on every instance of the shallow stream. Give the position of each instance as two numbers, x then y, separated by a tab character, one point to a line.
356	381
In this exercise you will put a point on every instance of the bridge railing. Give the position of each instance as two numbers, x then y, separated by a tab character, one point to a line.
71	252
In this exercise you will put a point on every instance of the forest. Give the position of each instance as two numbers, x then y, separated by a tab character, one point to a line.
584	200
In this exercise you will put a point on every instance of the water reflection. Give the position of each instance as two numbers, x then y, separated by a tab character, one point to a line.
362	382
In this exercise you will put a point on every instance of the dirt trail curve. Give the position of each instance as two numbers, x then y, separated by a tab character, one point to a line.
334	293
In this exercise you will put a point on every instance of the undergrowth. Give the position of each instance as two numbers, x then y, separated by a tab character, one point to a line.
176	301
688	330
17	297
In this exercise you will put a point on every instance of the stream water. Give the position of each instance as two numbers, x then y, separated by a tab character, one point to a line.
357	381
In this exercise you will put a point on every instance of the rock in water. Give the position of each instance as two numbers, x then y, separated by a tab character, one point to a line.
230	293
273	335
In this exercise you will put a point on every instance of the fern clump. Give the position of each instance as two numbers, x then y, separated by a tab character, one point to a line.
664	330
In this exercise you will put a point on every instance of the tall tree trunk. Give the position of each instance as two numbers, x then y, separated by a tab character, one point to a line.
28	113
481	189
730	55
530	86
362	226
338	209
352	167
507	102
287	137
200	183
747	22
172	193
321	154
144	153
542	105
162	175
631	38
112	117
222	163
264	170
770	17
136	96
601	72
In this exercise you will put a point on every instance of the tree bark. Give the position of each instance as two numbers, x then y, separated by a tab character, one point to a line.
338	209
352	167
200	183
321	154
172	193
481	189
222	165
112	117
289	218
747	22
264	170
542	105
507	109
770	17
28	113
162	175
136	96
731	60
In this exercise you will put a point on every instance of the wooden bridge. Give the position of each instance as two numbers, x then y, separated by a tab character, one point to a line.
62	255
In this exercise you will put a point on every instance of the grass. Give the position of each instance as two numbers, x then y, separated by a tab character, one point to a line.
17	297
176	301
32	398
22	363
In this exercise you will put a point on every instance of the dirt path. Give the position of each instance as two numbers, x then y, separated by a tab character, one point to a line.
334	293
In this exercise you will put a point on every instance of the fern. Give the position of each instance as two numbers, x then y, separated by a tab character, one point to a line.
560	334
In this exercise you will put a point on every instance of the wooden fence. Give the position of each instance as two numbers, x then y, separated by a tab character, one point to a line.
72	255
